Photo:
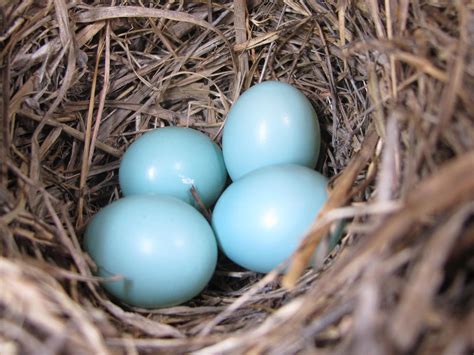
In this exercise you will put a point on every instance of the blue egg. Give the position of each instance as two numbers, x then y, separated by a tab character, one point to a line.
164	249
170	161
260	219
271	123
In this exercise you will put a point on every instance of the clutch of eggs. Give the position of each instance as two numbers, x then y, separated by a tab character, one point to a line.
161	248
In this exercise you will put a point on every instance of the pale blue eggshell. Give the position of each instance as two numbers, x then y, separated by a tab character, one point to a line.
260	219
164	248
271	123
169	161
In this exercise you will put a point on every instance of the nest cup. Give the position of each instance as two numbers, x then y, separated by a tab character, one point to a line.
392	84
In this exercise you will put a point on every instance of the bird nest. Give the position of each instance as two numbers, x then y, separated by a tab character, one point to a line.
392	83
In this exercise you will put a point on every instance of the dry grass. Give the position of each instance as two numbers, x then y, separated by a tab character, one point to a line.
393	85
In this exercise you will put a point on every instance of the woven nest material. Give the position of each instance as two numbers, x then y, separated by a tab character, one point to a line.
393	86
